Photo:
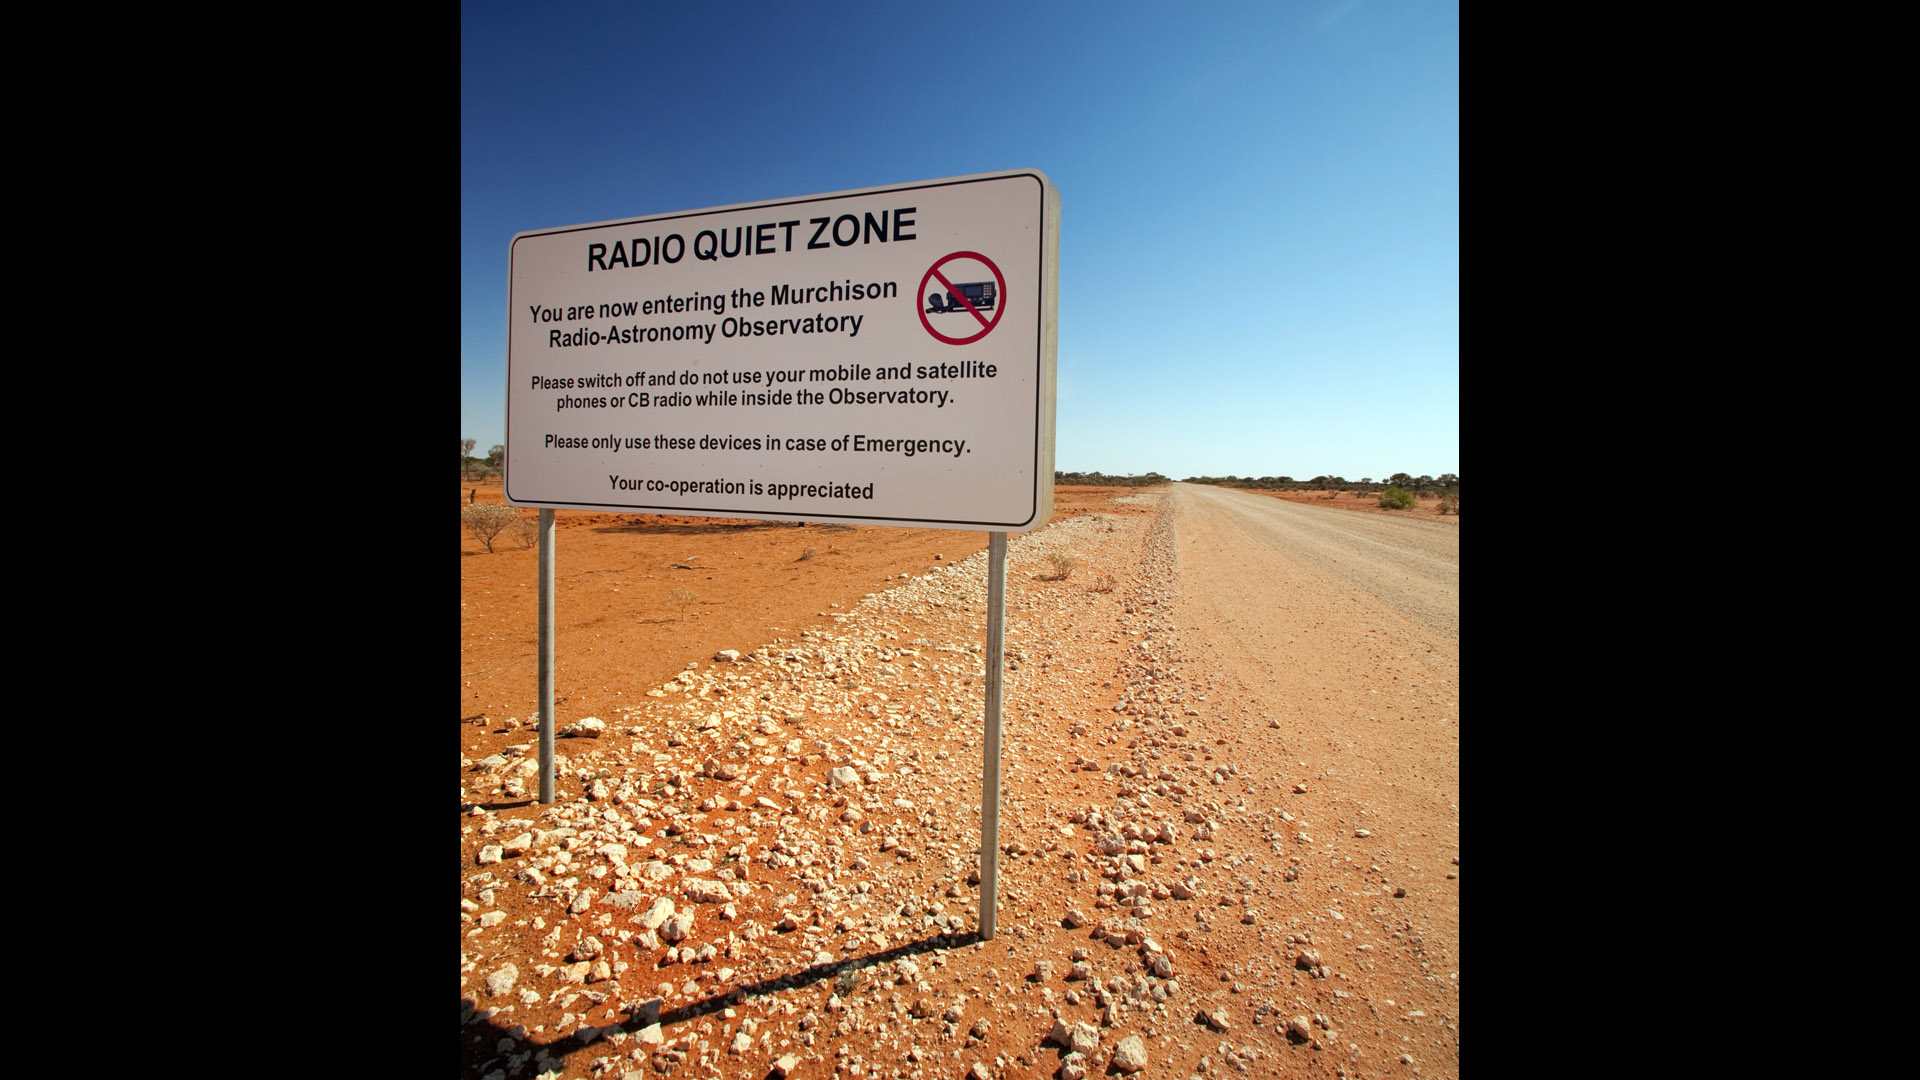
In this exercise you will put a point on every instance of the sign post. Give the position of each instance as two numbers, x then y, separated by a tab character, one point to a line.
882	356
546	657
990	754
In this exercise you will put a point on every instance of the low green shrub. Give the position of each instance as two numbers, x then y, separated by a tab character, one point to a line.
1396	499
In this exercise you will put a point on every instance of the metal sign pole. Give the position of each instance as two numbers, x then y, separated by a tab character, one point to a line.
990	757
546	656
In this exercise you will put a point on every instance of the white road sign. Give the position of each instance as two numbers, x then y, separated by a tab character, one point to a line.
882	357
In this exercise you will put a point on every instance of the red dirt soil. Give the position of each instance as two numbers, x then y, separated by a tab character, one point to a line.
615	624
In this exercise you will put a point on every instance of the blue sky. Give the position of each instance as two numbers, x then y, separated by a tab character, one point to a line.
1260	226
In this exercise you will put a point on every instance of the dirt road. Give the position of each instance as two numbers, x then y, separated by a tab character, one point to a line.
1229	832
1343	630
1410	569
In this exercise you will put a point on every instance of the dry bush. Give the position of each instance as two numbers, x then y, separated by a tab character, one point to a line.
1063	564
805	555
1103	583
487	522
527	531
682	599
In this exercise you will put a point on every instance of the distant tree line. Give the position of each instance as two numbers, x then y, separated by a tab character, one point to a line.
490	467
1100	479
1444	484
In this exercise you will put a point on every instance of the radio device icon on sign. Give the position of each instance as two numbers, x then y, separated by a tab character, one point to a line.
978	293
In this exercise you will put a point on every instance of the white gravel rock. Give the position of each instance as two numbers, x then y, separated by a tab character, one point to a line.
1084	1038
1131	1055
660	912
502	981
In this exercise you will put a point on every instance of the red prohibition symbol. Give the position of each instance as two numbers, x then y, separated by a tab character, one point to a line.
970	299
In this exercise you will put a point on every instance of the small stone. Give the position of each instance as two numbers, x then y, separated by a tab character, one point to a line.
677	928
979	1072
660	912
785	1065
842	777
502	981
1299	1029
1084	1039
727	656
1218	1018
1401	891
1406	1059
1131	1055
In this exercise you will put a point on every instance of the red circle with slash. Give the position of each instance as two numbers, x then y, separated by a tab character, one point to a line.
986	324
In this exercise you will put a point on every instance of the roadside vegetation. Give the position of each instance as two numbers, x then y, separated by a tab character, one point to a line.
1445	487
491	467
1099	479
